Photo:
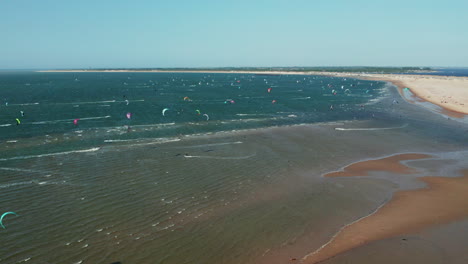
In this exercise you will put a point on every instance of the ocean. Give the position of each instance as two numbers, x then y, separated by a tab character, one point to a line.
51	102
194	167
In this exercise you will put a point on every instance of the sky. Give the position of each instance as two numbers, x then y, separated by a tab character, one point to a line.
58	34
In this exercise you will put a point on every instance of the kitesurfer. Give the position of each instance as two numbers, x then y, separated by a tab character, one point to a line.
3	215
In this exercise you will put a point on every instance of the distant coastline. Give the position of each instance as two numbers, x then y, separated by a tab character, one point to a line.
300	70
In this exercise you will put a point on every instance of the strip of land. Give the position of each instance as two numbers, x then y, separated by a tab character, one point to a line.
448	92
445	200
390	164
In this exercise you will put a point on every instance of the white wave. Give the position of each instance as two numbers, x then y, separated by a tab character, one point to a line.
5	125
96	117
41	122
247	120
93	102
301	98
15	184
23	104
68	120
7	185
155	125
341	230
155	142
369	128
146	127
211	145
143	141
253	115
21	170
51	154
120	140
12	141
221	158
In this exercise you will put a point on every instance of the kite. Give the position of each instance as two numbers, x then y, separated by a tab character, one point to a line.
164	111
3	215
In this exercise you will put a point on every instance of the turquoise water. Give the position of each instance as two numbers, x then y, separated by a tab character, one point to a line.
51	101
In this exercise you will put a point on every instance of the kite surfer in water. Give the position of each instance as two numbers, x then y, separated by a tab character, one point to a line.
3	215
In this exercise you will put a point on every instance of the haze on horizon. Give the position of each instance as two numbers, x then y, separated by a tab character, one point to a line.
54	34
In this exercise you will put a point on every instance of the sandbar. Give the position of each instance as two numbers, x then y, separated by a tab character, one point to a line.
443	201
389	164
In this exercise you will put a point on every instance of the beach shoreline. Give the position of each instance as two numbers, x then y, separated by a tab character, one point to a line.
407	212
448	92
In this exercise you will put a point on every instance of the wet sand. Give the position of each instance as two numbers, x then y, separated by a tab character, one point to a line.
389	164
444	200
435	245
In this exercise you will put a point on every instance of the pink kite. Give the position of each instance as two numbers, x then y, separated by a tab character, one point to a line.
75	122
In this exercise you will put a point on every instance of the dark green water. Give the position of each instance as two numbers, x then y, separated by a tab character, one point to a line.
51	101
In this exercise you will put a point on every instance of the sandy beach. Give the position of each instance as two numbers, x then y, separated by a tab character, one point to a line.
450	93
407	212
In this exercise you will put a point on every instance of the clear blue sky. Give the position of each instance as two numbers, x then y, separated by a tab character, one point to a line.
211	33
